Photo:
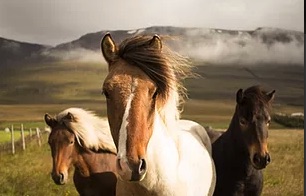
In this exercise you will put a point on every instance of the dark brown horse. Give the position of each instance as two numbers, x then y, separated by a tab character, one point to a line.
81	139
241	152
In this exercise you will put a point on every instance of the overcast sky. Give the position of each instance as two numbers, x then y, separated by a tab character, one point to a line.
56	21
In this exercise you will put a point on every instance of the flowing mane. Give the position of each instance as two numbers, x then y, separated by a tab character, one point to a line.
166	68
257	95
143	91
90	129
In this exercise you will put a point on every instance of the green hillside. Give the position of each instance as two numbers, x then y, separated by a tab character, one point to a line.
30	90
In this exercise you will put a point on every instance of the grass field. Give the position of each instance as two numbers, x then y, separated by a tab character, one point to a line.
28	173
285	175
6	136
27	92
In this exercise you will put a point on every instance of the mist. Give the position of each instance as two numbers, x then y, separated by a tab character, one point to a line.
244	49
210	46
78	54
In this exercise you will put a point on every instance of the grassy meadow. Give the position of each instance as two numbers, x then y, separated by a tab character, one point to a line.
29	91
28	172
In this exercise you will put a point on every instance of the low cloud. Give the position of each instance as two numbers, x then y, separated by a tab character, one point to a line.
78	54
244	50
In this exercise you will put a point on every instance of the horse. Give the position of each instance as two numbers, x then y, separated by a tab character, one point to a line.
158	153
79	138
213	133
241	152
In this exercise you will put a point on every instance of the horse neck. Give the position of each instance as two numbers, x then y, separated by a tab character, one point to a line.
89	162
161	148
169	113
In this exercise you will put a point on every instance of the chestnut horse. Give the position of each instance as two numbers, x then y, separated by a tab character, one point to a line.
158	154
81	139
241	152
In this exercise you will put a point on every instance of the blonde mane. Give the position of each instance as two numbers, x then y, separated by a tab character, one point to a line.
93	131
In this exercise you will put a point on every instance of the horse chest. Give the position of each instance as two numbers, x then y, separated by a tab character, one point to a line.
235	174
238	181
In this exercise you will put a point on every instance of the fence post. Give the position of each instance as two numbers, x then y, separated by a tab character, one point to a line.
38	136
13	139
22	138
30	132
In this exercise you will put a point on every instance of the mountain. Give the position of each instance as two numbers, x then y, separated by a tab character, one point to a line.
213	46
267	36
205	45
12	51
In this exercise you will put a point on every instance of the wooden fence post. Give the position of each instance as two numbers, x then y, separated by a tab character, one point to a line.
22	138
13	139
38	136
30	132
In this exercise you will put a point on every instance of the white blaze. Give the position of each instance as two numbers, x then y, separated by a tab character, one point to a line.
123	129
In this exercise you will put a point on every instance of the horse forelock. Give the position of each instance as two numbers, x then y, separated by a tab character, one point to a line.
164	67
257	96
91	131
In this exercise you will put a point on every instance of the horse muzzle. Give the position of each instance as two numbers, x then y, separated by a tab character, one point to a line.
260	162
131	172
59	179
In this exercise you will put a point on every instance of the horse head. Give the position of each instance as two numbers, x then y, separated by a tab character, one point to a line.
253	117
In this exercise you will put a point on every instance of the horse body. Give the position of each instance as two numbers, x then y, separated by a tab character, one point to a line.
71	144
241	153
235	174
171	169
100	178
158	154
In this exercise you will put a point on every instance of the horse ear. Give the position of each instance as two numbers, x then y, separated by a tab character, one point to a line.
69	117
108	48
271	95
156	42
49	120
239	96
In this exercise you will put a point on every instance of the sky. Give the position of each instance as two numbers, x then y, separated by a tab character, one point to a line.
52	22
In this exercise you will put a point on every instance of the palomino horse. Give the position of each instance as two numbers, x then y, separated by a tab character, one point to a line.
158	154
241	152
80	138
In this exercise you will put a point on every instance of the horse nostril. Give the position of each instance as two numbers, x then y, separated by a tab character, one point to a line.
142	166
268	158
256	159
118	164
61	178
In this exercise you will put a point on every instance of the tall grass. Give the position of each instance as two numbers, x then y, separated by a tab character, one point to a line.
285	174
28	172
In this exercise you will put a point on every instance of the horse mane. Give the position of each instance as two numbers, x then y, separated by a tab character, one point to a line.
91	131
256	94
166	69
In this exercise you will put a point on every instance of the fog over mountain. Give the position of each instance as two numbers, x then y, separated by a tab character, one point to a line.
209	46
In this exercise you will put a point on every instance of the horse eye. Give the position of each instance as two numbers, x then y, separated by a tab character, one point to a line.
154	95
242	121
268	122
71	142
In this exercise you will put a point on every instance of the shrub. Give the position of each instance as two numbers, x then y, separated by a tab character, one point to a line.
289	121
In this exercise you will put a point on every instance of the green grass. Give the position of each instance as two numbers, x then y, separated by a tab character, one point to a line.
28	172
285	174
29	91
6	137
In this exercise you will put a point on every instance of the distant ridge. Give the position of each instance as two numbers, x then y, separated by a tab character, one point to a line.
267	35
12	51
204	44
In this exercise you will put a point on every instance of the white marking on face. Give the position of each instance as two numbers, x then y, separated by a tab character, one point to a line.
123	129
